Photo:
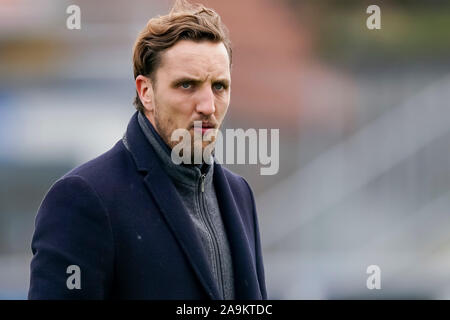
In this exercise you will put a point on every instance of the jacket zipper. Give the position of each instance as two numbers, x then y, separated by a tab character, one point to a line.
215	242
202	178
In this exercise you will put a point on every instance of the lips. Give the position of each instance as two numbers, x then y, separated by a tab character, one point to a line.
208	126
205	127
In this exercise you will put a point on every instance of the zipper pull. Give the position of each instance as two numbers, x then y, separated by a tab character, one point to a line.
203	182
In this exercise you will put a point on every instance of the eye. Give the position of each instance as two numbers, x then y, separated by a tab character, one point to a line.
219	86
185	85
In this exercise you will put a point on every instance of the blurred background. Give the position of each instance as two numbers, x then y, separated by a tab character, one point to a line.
364	119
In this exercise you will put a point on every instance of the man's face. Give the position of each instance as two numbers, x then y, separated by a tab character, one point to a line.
191	84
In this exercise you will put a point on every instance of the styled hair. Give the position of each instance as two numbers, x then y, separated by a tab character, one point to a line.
185	21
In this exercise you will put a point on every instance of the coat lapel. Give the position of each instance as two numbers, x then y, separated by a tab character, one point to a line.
168	201
245	275
170	204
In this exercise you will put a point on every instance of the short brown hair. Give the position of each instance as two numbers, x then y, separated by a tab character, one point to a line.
185	21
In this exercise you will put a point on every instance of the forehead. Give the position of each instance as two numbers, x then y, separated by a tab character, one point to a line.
199	59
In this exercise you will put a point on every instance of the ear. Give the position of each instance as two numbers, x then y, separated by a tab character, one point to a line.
144	88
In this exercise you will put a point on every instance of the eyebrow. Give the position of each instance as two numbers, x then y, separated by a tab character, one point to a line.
195	80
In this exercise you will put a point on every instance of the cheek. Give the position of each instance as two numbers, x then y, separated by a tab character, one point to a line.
177	108
221	108
180	113
182	105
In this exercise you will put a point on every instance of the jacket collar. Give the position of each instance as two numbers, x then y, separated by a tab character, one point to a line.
187	174
161	187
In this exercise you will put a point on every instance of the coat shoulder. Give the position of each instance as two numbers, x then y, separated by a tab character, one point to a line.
108	174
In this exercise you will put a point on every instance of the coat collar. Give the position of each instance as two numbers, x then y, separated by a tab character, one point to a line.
170	204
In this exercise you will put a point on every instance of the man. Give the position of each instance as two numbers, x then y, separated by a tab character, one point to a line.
132	224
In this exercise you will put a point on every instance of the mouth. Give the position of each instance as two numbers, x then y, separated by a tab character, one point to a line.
204	128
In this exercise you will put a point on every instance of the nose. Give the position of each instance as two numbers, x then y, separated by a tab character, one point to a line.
205	104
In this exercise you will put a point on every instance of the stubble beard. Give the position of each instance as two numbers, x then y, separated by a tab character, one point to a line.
163	127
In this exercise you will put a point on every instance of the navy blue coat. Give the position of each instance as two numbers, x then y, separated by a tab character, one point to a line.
119	218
